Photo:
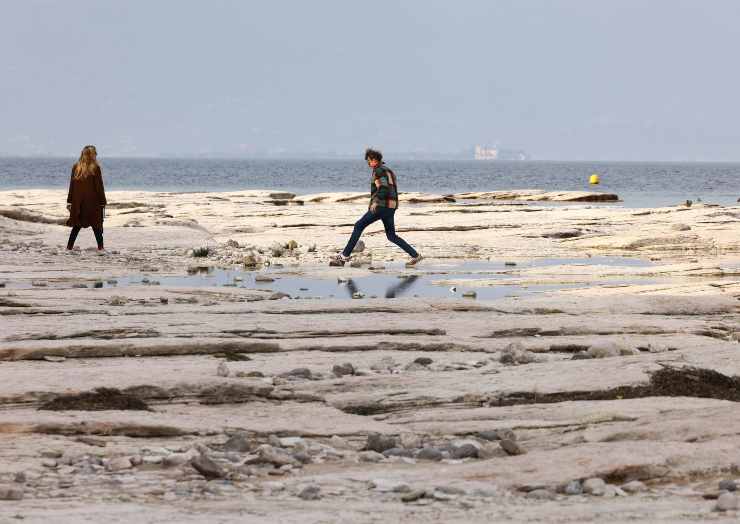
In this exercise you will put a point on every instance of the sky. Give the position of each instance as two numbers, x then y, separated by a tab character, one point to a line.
560	79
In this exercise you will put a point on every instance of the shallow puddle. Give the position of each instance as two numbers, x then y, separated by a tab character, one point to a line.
393	281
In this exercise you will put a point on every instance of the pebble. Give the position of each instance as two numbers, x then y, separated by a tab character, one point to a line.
370	456
512	447
594	486
52	358
298	373
49	463
207	467
634	486
380	443
413	495
727	502
52	453
410	440
573	488
11	493
398	452
541	494
464	451
222	370
423	361
728	485
20	477
311	492
119	464
341	370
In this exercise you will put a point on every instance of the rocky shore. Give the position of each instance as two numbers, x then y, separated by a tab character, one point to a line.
602	385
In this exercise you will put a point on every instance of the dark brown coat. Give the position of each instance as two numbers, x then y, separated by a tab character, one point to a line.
87	198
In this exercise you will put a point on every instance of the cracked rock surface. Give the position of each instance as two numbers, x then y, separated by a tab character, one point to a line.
609	395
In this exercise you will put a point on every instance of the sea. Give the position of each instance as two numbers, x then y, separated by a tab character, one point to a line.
638	184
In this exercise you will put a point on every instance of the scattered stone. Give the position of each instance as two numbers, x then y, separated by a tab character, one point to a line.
470	294
634	486
204	465
581	355
263	278
302	457
594	486
515	353
117	300
410	440
604	350
359	247
573	487
49	463
341	370
238	442
298	373
384	364
52	453
20	477
727	502
380	443
312	492
267	454
464	451
511	264
370	456
512	447
10	493
412	496
398	452
423	361
430	453
541	494
728	485
119	464
222	370
680	227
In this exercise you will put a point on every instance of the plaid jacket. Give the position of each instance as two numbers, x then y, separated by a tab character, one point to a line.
383	188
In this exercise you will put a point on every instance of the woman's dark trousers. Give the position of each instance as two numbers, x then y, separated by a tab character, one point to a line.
75	230
387	216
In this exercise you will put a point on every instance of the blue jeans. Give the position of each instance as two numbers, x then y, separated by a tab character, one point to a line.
386	215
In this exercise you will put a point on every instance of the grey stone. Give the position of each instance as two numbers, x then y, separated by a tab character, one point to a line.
20	477
312	492
727	502
275	456
573	488
490	435
398	452
380	443
512	447
505	434
238	442
413	495
680	227
541	494
464	451
222	370
423	361
581	355
728	485
52	453
207	467
302	457
370	456
410	440
634	486
298	373
341	370
119	464
594	486
11	493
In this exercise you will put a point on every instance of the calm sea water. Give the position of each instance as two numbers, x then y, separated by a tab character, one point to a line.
638	184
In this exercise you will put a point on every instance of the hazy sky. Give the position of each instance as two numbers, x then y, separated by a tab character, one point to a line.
562	79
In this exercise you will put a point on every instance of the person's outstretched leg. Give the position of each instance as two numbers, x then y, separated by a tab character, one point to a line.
390	232
367	219
98	236
72	237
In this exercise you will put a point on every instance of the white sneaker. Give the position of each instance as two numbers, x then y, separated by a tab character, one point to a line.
415	260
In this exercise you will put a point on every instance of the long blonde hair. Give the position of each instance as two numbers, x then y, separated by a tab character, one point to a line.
87	164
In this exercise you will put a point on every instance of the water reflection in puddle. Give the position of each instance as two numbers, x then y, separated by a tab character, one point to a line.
387	283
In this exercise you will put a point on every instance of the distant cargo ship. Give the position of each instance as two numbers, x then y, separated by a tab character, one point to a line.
494	153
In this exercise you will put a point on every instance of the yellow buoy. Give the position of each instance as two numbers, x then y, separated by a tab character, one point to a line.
594	179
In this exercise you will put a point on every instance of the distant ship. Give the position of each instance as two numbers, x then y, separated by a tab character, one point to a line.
494	153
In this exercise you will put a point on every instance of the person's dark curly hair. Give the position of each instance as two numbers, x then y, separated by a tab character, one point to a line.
373	154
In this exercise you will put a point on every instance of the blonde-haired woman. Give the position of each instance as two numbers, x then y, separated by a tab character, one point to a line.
86	197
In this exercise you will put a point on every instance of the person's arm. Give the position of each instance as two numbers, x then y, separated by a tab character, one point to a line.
99	189
69	193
